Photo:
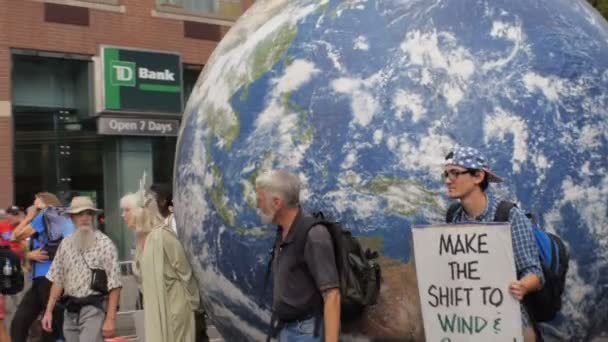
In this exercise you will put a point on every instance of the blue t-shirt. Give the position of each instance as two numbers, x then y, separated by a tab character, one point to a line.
40	269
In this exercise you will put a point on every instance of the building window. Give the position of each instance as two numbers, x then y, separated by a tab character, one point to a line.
224	9
163	159
190	76
56	145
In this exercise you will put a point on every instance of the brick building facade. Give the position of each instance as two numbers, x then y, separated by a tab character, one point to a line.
54	131
80	27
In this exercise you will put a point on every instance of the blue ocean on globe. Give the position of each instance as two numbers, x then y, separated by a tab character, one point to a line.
363	99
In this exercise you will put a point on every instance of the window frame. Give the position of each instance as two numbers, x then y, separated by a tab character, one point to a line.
104	2
102	5
180	10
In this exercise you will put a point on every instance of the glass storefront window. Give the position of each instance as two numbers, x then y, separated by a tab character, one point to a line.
56	152
163	159
56	146
190	75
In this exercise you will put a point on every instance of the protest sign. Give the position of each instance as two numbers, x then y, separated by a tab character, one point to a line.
464	272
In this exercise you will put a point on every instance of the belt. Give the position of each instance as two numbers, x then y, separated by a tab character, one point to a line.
298	320
277	324
74	305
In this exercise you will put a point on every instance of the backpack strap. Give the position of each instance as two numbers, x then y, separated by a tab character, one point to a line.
273	318
46	220
449	216
503	210
46	224
300	237
271	254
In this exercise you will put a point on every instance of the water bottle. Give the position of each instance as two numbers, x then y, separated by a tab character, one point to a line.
7	270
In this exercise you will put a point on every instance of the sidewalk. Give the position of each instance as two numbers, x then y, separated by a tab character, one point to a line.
130	308
125	327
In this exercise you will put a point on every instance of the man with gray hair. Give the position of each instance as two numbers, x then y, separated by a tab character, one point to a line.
86	270
306	292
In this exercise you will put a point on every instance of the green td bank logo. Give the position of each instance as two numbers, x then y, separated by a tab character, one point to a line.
123	74
141	81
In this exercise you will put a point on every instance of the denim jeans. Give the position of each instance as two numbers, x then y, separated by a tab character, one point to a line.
302	331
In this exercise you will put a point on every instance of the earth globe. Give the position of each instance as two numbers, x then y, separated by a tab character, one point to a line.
363	99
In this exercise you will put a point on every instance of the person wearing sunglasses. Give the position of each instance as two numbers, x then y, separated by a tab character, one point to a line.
467	177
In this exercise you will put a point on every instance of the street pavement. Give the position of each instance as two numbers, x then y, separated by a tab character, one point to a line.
129	311
126	327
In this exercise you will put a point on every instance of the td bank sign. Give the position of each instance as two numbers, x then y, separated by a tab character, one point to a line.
141	81
123	73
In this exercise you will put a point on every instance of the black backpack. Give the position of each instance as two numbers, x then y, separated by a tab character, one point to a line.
544	304
359	274
11	274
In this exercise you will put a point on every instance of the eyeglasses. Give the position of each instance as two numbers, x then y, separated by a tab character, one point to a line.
453	174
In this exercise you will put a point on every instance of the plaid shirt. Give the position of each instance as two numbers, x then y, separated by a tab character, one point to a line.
525	250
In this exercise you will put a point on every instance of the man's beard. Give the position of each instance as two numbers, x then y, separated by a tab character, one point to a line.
84	237
266	218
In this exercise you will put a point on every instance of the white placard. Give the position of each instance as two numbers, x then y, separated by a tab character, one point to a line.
464	272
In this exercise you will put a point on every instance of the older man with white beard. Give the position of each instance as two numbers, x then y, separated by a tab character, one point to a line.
86	271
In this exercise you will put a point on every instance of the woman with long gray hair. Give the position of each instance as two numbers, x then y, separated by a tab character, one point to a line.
169	288
140	222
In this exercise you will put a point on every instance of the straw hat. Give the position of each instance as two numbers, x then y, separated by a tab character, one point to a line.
80	204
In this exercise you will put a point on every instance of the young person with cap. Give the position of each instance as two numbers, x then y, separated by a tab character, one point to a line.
14	216
467	176
86	271
8	303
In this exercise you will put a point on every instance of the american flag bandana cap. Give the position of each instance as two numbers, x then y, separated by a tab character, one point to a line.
471	158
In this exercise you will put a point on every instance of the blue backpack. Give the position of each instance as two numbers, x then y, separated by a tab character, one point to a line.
544	304
57	225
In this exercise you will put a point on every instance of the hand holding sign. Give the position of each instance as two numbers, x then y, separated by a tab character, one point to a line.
518	290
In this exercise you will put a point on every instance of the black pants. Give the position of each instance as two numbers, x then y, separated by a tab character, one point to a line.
31	306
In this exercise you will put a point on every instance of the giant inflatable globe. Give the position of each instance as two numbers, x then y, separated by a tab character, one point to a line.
363	99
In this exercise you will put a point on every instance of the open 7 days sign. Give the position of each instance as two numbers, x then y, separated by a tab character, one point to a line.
141	81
